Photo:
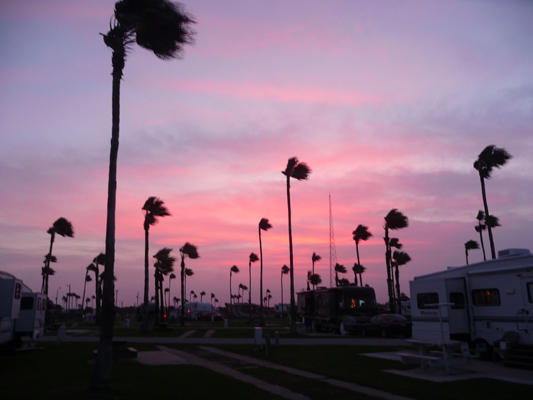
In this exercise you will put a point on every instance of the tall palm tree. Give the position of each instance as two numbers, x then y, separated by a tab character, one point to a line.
232	270
300	171
164	28
190	251
241	286
153	208
480	227
192	293
212	297
188	272
491	157
314	258
358	269
95	267
264	225
202	294
400	258
470	245
361	233
46	270
171	276
284	271
393	220
251	259
62	227
339	269
164	265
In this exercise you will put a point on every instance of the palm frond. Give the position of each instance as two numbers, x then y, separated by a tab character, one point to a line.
190	251
471	245
396	220
264	224
301	171
361	233
285	270
253	257
63	227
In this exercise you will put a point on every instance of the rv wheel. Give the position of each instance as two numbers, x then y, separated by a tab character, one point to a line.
342	331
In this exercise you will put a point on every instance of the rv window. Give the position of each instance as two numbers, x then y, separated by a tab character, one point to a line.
26	303
458	299
423	299
486	297
530	292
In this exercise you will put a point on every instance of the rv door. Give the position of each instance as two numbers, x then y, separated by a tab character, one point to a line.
457	313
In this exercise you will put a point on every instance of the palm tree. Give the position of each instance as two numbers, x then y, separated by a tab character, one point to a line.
339	269
244	289
315	279
361	233
241	286
212	297
63	228
264	225
202	294
358	269
470	245
300	171
314	258
393	220
46	271
344	282
400	258
191	294
87	279
251	259
188	250
284	271
491	157
152	208
171	276
216	301
94	267
480	227
164	265
232	270
164	28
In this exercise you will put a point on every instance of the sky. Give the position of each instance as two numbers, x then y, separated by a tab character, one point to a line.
388	102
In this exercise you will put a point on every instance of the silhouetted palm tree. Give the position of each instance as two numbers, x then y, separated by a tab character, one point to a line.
170	278
470	245
314	258
480	227
188	250
284	271
232	270
361	233
63	228
264	225
491	157
212	297
202	294
152	208
95	267
344	282
339	269
251	259
164	28
87	279
315	279
164	265
358	269
46	270
400	258
393	220
300	171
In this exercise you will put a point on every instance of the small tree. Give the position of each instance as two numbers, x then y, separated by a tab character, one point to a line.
470	245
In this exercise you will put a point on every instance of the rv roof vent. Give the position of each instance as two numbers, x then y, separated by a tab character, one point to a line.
513	252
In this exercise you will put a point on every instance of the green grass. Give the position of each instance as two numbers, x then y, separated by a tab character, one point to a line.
64	372
346	363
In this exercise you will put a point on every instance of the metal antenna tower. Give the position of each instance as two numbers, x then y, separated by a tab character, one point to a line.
332	247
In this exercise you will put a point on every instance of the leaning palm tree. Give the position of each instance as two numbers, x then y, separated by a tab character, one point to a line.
232	270
190	251
284	271
314	258
358	269
264	225
480	227
361	233
300	171
491	157
152	209
62	227
470	245
164	28
251	259
393	220
400	258
339	269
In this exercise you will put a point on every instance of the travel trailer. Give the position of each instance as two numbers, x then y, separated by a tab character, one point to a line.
476	303
344	308
22	312
196	308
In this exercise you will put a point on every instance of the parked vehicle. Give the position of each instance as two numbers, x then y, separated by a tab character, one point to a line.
196	308
344	309
387	325
477	302
22	312
210	316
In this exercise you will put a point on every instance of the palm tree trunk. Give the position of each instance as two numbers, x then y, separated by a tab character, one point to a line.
84	286
156	282
182	290
358	262
481	241
261	271
47	264
489	229
291	271
389	272
230	295
399	303
250	287
97	294
144	325
282	294
101	379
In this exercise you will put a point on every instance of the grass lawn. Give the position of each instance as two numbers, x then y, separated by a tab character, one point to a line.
64	372
346	363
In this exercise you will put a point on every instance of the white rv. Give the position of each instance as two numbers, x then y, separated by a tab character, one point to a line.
194	309
477	303
22	312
